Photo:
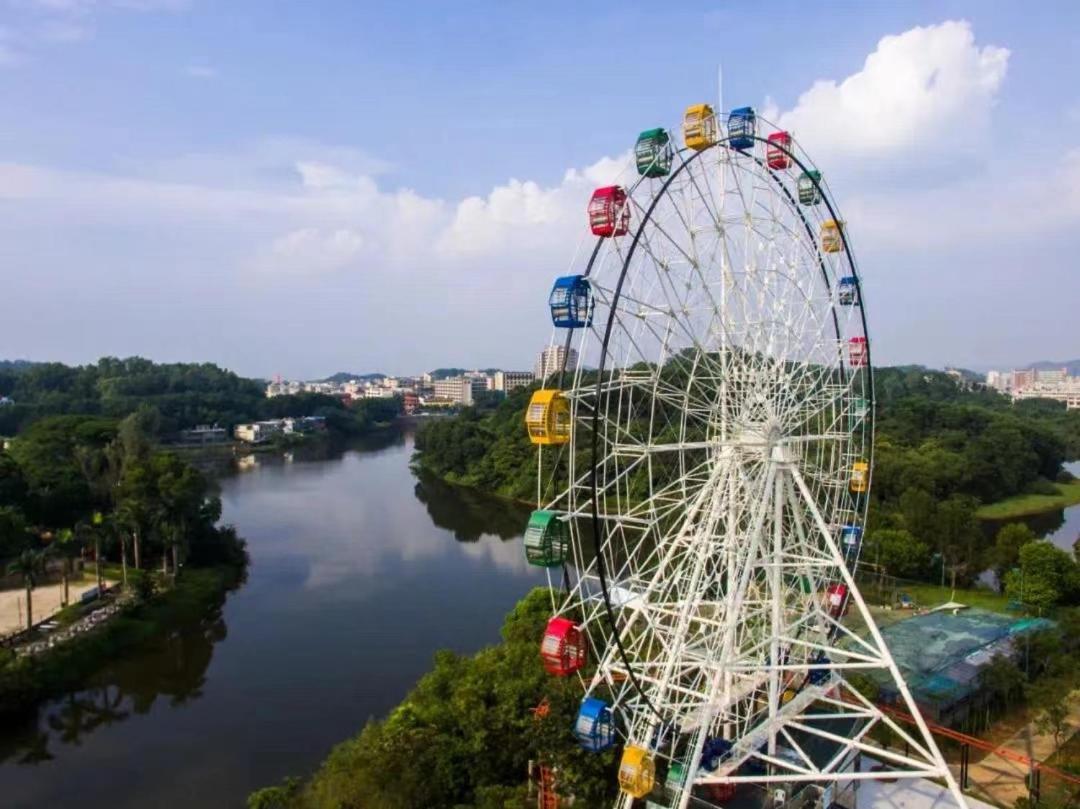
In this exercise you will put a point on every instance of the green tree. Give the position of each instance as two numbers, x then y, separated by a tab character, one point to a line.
280	796
28	565
1008	541
1002	678
1051	697
1046	576
896	550
67	544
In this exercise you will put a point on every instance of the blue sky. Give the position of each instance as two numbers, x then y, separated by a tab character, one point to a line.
303	187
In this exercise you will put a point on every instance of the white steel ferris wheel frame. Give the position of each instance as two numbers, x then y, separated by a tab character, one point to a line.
707	485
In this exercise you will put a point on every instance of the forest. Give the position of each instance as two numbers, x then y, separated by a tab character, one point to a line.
98	490
941	449
184	395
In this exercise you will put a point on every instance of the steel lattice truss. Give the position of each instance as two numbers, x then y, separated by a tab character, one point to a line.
718	439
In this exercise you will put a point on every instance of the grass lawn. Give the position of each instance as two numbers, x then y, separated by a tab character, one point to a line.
928	596
1024	504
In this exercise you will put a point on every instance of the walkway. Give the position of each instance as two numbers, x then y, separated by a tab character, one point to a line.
1002	780
46	600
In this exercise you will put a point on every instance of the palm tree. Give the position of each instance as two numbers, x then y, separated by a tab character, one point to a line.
68	544
97	527
28	564
130	515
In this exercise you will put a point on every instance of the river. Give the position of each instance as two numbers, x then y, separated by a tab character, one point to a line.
359	573
1062	526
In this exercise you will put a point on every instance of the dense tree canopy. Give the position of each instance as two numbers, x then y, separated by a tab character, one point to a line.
185	394
941	449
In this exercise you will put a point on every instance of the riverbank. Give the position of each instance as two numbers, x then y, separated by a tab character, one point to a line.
1025	505
26	681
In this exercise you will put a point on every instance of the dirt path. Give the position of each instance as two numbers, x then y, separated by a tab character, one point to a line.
46	600
1002	780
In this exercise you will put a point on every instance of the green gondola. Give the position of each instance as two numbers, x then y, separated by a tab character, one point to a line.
653	153
546	539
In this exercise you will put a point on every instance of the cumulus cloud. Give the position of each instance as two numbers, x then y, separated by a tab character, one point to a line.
280	211
920	92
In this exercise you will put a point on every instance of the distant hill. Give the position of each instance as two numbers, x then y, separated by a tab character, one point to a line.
345	376
1046	365
446	373
16	366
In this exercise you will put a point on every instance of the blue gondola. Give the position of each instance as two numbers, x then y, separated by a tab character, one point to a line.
819	676
740	127
571	302
850	539
594	726
713	752
848	291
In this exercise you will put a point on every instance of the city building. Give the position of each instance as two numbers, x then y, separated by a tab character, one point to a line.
379	393
551	361
507	381
1022	378
998	380
410	403
257	432
458	389
1051	376
1067	391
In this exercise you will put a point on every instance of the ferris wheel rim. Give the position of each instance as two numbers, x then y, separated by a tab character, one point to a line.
662	193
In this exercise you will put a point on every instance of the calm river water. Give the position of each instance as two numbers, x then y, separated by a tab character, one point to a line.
359	573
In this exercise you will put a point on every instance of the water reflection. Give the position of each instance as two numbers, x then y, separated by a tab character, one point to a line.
173	667
360	571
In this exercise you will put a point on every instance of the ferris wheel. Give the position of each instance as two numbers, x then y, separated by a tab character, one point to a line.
704	464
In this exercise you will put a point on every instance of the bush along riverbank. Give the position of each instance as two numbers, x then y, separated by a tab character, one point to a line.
153	608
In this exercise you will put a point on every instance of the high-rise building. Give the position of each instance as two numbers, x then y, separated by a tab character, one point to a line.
507	381
1022	379
998	380
551	360
1051	376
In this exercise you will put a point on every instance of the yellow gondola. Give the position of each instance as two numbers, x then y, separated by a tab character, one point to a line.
637	772
831	239
699	127
547	418
860	477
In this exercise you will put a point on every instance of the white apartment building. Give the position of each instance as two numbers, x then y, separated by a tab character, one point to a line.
550	361
507	381
456	388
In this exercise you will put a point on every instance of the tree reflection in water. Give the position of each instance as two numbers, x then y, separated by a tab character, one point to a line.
469	514
173	667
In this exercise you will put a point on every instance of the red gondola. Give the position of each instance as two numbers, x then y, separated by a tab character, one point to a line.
563	648
609	215
837	600
858	352
775	155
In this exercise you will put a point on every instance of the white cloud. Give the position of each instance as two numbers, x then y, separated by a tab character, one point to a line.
310	250
927	90
200	72
280	210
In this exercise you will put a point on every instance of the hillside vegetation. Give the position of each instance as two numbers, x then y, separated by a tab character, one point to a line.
183	395
941	450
